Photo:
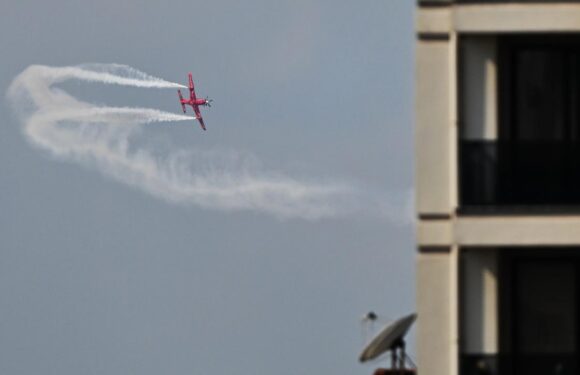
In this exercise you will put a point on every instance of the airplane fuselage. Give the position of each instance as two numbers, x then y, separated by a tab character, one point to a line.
192	102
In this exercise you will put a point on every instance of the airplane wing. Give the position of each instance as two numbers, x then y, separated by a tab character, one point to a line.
191	88
198	116
201	122
181	100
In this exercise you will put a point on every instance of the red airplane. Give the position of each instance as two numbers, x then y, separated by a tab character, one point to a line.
194	102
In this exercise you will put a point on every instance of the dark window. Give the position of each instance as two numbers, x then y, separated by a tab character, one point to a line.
535	163
539	320
546	293
538	99
540	89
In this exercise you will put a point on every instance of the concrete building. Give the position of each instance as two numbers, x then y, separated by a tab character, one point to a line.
498	187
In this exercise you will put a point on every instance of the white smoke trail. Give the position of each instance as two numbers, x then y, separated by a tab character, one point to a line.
113	74
103	137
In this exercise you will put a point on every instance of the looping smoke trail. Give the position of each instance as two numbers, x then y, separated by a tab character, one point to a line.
103	137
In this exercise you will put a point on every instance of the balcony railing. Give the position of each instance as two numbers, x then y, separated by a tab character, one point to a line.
514	1
515	176
442	2
519	364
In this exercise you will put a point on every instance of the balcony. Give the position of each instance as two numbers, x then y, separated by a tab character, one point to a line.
530	364
517	177
493	1
514	1
444	2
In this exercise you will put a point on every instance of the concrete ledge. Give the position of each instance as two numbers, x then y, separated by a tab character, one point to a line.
516	231
497	18
434	233
433	21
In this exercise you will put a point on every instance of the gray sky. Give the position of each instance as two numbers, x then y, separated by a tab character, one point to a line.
97	277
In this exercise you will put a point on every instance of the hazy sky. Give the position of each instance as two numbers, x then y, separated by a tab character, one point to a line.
100	277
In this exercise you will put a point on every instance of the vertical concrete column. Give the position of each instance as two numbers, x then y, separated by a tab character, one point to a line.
453	122
454	310
436	186
434	126
434	308
479	301
478	77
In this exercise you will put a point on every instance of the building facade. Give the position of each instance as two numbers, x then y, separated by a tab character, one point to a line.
498	187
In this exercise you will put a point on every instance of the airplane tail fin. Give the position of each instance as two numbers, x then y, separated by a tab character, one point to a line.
181	100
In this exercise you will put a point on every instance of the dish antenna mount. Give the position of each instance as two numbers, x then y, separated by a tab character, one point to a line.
391	338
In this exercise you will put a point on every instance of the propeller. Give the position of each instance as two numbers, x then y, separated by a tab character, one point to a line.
208	101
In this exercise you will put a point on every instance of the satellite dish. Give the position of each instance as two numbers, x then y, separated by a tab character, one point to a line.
390	338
